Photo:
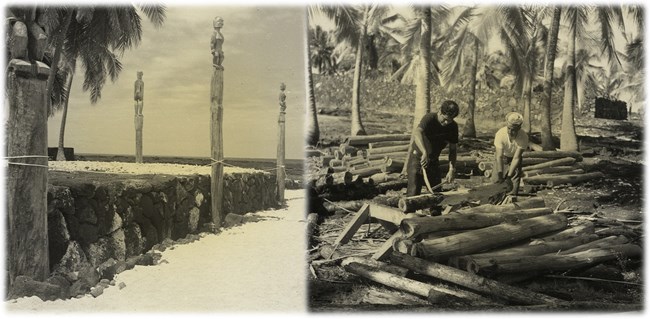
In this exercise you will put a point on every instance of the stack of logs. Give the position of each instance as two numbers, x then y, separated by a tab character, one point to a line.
482	250
549	168
372	159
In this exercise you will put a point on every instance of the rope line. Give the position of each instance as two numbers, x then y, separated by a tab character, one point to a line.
26	164
26	156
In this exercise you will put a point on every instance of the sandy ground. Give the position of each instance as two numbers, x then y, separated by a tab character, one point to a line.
133	168
252	268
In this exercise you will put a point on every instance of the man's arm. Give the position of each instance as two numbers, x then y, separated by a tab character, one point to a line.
516	159
422	143
498	160
452	162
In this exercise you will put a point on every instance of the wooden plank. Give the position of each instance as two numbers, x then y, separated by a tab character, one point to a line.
386	213
359	219
384	251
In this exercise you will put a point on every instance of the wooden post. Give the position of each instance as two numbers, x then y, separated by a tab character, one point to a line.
26	129
138	96
216	133
280	161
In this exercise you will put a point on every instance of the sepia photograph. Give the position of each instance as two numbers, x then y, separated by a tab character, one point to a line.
476	158
314	158
154	158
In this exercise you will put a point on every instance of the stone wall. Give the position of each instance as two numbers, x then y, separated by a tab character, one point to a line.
94	217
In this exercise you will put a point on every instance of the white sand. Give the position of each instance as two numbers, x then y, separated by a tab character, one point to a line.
256	267
146	168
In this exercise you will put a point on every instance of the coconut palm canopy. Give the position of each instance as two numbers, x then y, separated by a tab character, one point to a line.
263	48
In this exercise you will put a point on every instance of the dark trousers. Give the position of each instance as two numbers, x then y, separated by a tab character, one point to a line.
415	177
516	175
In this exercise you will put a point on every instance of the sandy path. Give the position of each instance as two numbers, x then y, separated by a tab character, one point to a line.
255	267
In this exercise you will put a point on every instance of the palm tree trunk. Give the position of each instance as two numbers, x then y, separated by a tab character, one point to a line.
470	128
60	154
54	67
423	82
313	132
547	135
357	126
528	86
568	139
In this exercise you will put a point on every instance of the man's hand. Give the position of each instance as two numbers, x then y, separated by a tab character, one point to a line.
424	161
451	174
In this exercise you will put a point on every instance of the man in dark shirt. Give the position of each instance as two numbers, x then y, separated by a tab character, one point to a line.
432	135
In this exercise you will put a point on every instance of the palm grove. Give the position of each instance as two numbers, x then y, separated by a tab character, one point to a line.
441	49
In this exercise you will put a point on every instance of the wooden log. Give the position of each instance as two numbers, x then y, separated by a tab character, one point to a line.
528	161
388	214
571	232
378	162
471	281
312	224
387	247
434	293
386	143
355	161
482	263
374	263
600	243
392	166
338	169
485	165
396	155
567	161
388	149
554	262
352	205
325	171
359	219
336	162
363	140
337	155
543	179
486	194
312	153
487	173
573	179
554	154
533	202
428	224
550	170
328	252
348	150
413	203
384	177
387	200
474	241
368	171
27	170
342	178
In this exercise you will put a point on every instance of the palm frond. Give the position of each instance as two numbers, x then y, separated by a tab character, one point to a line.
156	13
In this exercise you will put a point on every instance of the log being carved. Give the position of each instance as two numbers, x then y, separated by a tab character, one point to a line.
217	42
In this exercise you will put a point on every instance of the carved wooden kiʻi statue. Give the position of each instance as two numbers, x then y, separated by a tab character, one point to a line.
216	43
138	94
283	97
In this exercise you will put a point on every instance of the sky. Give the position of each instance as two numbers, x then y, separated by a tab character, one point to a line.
263	47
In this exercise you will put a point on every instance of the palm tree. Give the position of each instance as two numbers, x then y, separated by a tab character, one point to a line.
549	65
313	132
94	37
577	18
353	24
322	51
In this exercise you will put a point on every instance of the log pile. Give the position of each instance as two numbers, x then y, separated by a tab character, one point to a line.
548	169
476	253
